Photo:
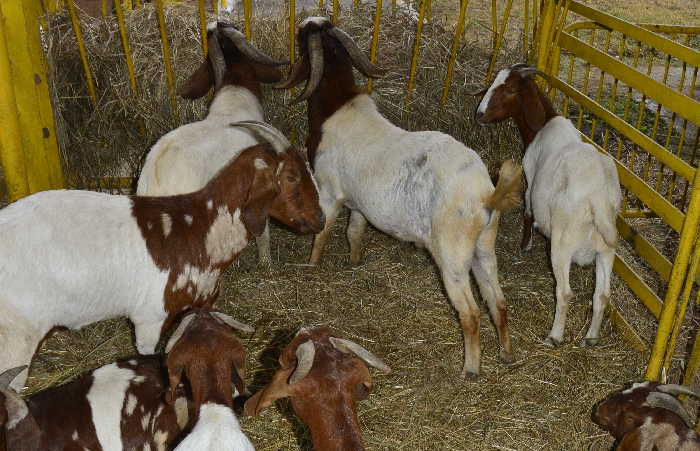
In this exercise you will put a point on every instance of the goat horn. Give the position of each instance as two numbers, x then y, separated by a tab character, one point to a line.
233	323
267	132
249	49
528	71
315	52
216	56
359	60
305	359
478	93
8	376
668	402
348	347
181	328
675	389
298	74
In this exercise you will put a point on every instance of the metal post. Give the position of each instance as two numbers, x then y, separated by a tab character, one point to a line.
375	40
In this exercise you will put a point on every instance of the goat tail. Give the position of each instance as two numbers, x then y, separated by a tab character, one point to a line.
508	189
604	222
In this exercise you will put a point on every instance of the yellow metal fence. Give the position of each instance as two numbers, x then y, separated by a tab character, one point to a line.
630	89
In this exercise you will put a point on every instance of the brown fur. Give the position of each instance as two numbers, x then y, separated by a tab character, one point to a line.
623	415
508	189
211	357
240	71
325	399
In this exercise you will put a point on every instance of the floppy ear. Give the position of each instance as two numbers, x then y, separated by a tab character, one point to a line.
275	390
238	377
174	375
533	108
199	82
262	192
267	74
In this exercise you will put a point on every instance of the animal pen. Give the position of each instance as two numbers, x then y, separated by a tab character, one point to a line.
83	98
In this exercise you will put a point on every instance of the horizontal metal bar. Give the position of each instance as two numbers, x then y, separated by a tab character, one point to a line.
626	329
638	286
656	28
655	149
657	41
673	100
644	249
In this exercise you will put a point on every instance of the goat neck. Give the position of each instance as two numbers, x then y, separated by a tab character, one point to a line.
333	427
540	101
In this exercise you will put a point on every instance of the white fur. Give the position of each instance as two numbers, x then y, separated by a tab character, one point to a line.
498	81
226	236
574	195
107	396
423	187
217	429
318	20
70	258
185	159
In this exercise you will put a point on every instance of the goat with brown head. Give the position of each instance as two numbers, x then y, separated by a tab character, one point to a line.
648	416
323	376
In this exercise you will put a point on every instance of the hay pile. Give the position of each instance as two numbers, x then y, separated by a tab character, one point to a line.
393	303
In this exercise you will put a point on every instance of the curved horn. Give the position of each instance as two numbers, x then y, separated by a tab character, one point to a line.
348	347
8	376
675	389
305	360
181	328
268	133
359	60
249	49
233	323
528	71
668	402
216	56
299	73
315	52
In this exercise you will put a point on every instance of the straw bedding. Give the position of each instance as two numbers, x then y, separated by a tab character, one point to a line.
393	303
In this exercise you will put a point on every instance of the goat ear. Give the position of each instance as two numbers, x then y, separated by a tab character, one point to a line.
275	390
267	74
238	377
199	82
533	108
174	376
261	194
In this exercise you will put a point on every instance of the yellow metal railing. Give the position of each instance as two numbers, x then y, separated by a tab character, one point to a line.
645	128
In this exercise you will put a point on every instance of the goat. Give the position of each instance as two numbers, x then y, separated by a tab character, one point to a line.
118	406
648	416
70	258
186	158
423	187
323	377
573	192
212	358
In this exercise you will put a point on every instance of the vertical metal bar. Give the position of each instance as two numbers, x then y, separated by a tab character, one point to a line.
416	50
125	46
393	7
499	39
546	23
355	3
535	31
586	79
569	79
454	49
693	362
336	11
104	8
599	91
526	28
137	3
202	25
167	62
11	146
322	4
81	49
127	4
657	118
494	24
247	17
375	40
675	283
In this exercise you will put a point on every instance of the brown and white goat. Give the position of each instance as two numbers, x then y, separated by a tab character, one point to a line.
422	187
204	349
70	258
186	158
647	416
573	193
323	376
118	406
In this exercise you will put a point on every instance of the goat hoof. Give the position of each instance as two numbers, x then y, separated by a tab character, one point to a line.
589	342
469	376
506	358
552	342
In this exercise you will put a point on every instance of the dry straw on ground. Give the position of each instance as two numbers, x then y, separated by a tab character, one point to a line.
393	303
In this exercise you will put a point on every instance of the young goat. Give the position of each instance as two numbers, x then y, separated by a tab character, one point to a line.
323	377
648	416
573	192
204	348
70	258
423	187
118	406
186	158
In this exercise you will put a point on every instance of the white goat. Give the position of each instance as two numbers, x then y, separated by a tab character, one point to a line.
573	192
217	429
423	187
186	158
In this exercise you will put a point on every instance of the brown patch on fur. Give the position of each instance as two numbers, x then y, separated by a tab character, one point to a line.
325	398
211	357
